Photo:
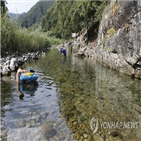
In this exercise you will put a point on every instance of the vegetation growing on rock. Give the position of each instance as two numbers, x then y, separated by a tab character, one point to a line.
111	32
127	27
114	8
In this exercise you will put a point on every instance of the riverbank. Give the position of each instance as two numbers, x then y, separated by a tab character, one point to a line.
10	63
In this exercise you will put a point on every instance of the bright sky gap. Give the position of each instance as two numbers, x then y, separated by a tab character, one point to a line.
20	6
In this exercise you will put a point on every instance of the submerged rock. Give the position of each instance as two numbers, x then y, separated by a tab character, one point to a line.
28	124
97	137
32	122
47	130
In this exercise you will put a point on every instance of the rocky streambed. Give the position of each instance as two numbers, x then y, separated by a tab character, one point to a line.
65	99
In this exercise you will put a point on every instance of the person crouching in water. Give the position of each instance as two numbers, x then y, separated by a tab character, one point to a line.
63	51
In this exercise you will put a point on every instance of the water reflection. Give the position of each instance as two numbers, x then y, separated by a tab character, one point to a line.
6	89
29	88
63	60
6	99
21	94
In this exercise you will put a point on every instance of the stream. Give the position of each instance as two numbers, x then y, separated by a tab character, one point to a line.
73	99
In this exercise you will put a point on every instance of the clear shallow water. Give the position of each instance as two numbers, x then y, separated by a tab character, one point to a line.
67	95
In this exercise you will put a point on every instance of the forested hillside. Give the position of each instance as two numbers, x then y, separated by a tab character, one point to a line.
66	17
35	14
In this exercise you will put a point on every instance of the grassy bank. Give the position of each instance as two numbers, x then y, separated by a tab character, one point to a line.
13	38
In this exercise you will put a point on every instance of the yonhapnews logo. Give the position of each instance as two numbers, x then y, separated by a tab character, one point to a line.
95	124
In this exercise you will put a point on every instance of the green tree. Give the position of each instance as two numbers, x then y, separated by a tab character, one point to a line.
66	17
3	7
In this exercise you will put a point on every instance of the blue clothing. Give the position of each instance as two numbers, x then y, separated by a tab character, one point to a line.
64	52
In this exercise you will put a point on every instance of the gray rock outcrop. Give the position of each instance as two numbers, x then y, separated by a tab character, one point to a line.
119	37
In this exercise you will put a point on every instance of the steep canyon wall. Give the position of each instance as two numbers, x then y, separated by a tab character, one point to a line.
119	37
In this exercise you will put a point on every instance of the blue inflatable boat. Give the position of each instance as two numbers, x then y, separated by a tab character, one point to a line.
30	76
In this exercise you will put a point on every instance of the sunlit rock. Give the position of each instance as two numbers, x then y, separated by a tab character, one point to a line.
13	64
6	71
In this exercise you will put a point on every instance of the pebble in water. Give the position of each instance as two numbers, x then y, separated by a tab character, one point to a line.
37	119
85	135
97	137
28	124
61	137
43	115
21	123
32	123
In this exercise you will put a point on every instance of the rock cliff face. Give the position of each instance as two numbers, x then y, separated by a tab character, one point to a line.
119	37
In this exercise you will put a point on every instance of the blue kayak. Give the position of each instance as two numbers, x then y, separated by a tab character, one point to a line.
30	76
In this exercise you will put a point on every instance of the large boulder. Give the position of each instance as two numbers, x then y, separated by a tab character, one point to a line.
119	37
13	64
6	71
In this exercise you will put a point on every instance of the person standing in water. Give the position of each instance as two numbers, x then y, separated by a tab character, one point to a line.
19	72
63	51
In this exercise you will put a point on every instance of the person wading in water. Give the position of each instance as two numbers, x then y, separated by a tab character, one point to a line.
19	72
63	51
